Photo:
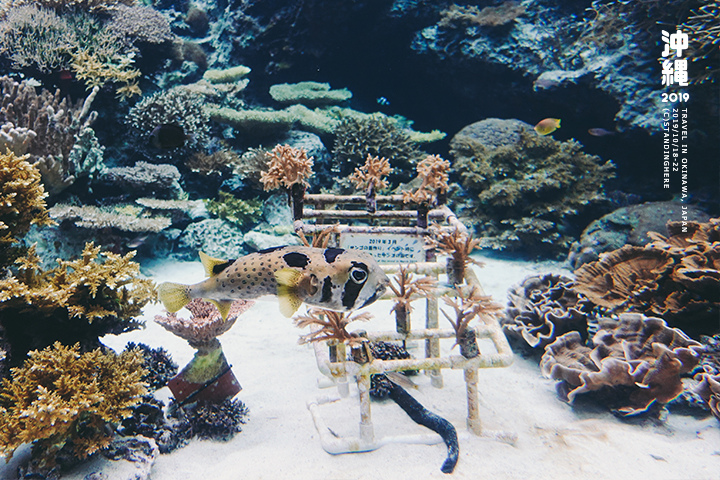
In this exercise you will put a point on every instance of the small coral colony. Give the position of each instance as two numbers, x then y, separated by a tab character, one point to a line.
635	328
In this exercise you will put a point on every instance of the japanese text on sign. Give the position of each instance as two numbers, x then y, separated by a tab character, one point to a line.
387	247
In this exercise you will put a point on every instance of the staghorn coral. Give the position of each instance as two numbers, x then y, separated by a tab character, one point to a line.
406	289
524	188
329	325
205	323
458	246
638	359
22	202
543	307
77	301
15	140
310	94
676	277
64	400
287	166
433	171
468	304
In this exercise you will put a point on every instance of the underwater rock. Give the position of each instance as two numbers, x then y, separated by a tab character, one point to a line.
639	359
144	180
260	241
523	191
213	236
628	226
543	307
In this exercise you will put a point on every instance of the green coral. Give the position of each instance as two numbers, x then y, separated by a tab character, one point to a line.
77	301
22	202
235	210
64	400
310	94
523	194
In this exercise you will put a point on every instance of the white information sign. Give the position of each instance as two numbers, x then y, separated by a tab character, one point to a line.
387	247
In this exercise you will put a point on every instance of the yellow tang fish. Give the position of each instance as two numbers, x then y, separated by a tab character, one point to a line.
331	278
547	126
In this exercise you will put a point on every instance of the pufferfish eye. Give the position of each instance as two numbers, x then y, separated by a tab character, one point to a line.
358	275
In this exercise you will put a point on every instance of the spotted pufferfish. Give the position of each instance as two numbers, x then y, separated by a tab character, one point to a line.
331	278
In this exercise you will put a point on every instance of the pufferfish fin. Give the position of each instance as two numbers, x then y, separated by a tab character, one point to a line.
288	280
173	296
223	307
209	263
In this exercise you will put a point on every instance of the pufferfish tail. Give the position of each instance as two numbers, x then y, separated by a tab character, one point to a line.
173	296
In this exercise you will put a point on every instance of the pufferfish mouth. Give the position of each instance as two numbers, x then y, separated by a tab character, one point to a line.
379	292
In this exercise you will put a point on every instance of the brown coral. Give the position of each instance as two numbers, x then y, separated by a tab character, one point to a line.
433	171
288	166
22	201
79	300
64	400
205	324
458	246
468	304
709	391
623	277
640	358
371	178
329	325
502	14
543	307
677	277
406	289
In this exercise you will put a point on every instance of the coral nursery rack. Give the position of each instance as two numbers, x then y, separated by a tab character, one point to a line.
331	356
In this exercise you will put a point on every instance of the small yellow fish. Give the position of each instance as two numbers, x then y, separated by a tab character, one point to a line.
547	126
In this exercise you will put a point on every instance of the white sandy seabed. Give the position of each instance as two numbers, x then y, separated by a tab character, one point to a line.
279	441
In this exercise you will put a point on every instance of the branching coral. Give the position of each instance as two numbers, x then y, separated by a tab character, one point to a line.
58	126
371	176
468	304
639	359
543	307
79	300
406	289
458	246
703	30
433	171
287	166
22	202
176	106
524	192
64	400
377	136
329	325
677	277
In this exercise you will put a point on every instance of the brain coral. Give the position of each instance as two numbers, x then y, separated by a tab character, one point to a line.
638	359
523	189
